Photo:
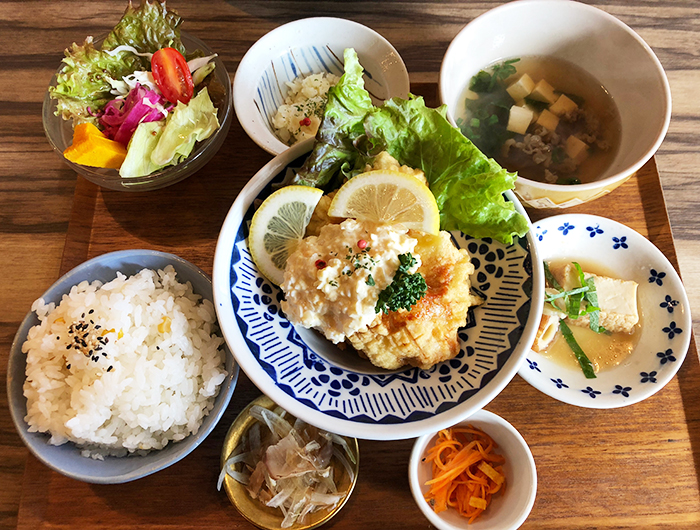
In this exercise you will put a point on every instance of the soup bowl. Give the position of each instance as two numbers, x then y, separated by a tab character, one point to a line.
591	39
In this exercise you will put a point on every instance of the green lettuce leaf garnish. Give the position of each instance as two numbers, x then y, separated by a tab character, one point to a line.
147	28
467	186
348	104
83	85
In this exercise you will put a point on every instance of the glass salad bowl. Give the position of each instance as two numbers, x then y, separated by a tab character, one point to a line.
60	135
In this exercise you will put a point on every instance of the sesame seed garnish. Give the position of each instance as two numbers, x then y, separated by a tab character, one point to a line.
91	311
109	369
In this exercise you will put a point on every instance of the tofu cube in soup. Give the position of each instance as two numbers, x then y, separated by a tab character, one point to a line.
576	149
544	92
519	119
548	120
563	105
521	88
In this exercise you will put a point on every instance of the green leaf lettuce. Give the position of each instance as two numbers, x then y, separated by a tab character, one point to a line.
83	87
467	186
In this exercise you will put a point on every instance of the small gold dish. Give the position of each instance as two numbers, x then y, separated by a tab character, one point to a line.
256	512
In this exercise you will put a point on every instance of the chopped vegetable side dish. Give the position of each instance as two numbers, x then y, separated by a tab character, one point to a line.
466	471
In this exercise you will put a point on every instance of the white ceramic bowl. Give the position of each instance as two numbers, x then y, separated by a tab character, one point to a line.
303	47
340	392
507	511
590	38
66	458
662	303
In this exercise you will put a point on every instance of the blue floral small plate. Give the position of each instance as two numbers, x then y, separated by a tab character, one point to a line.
661	300
336	390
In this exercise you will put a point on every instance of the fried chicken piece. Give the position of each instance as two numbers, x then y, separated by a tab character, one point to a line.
427	334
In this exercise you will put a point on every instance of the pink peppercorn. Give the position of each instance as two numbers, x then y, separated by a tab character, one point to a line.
362	244
305	122
320	264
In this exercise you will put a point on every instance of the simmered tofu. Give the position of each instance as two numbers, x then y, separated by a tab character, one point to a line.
617	299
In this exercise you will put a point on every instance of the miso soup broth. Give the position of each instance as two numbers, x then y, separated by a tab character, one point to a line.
544	117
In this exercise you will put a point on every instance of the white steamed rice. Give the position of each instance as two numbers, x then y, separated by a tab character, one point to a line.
153	380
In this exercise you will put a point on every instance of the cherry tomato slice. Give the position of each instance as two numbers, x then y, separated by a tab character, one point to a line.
172	75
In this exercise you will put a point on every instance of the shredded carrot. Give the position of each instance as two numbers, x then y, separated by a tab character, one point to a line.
466	471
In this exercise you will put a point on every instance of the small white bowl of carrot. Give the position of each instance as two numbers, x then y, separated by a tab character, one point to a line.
478	474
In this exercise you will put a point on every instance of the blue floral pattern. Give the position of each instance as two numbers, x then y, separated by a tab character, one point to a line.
656	277
566	228
620	242
594	230
591	393
669	303
622	390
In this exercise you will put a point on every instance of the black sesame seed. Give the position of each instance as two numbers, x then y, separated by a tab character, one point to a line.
68	366
106	340
68	347
90	352
109	369
58	337
92	322
98	326
82	316
104	354
91	311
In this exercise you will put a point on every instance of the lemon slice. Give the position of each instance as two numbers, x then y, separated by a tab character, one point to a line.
388	196
277	227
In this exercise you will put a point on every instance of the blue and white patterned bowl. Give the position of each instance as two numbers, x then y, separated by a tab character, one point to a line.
304	47
338	391
661	300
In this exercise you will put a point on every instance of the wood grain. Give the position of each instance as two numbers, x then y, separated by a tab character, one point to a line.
627	468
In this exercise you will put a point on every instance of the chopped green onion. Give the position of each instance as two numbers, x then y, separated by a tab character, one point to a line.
581	357
475	122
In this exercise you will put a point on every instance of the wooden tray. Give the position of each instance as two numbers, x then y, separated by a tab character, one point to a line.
633	467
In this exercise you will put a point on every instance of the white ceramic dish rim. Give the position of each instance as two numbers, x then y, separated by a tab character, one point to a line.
419	447
181	450
232	334
267	140
549	389
629	171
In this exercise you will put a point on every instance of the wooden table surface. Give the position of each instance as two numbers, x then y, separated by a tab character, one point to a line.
628	468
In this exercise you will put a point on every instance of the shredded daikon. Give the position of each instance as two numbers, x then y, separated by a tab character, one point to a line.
289	467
